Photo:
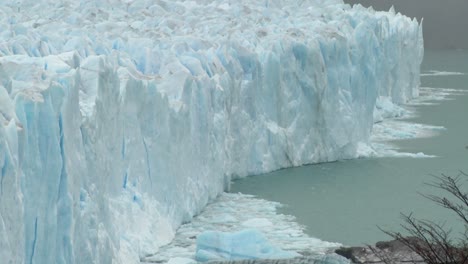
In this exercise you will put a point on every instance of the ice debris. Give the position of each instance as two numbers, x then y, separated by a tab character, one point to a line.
245	244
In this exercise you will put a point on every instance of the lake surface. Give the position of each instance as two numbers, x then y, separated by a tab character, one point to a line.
345	201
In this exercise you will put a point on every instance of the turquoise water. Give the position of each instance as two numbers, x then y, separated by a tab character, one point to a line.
345	201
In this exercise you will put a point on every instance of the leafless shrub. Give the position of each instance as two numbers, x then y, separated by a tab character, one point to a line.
434	242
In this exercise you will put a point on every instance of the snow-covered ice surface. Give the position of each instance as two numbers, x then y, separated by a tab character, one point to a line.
120	120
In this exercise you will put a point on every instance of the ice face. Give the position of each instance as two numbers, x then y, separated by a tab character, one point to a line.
119	120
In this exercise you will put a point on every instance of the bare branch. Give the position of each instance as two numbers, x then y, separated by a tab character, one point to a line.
430	240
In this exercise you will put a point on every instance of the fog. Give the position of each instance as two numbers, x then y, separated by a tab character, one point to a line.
445	21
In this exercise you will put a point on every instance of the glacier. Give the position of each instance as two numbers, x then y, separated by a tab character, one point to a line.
121	119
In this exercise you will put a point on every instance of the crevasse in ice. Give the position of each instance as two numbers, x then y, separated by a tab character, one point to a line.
121	119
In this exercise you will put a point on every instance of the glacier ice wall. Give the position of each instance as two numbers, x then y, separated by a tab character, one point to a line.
120	120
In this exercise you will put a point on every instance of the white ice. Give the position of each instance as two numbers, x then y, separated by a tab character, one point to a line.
392	125
120	120
241	245
441	73
434	96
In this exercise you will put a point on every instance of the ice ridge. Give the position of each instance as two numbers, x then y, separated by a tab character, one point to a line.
121	119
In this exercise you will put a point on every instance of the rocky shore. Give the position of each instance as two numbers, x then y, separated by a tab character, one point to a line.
383	252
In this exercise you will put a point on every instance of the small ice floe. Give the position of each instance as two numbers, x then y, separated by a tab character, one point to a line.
242	245
441	73
390	124
434	96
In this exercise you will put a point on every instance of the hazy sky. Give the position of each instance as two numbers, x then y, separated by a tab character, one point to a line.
445	21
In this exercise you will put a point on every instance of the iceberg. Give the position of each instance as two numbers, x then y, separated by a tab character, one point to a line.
242	245
120	120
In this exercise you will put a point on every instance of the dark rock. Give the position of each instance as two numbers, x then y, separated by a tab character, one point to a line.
350	252
384	251
396	245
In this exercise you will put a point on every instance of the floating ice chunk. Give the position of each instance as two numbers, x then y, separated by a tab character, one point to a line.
332	259
246	244
432	96
390	126
366	150
257	222
387	150
397	130
389	130
181	261
441	73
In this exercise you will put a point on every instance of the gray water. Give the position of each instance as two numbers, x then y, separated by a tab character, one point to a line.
345	201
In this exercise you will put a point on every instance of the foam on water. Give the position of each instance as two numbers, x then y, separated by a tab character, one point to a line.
434	96
391	124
